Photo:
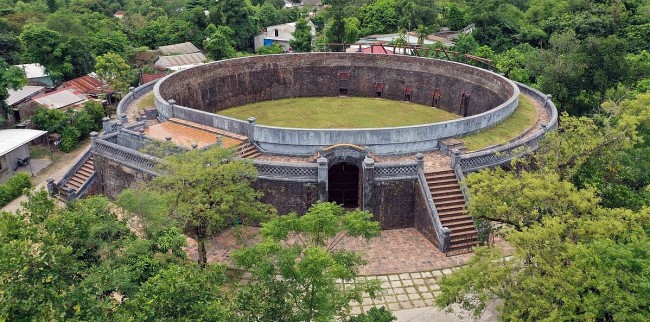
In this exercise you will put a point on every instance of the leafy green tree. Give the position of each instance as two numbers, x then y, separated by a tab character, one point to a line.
455	17
239	15
378	17
10	78
302	37
114	70
422	32
179	293
63	58
219	44
71	263
269	50
10	45
294	270
208	191
573	259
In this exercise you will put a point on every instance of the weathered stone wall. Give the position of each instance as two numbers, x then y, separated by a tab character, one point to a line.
394	203
115	177
210	88
422	220
287	196
235	82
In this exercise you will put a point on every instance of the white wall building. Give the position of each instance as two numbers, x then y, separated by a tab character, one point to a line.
279	34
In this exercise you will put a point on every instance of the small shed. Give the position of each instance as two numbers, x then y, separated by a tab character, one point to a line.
14	150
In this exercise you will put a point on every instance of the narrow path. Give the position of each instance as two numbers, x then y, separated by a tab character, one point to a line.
55	170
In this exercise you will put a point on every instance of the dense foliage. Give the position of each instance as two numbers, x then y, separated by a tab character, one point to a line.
73	125
578	216
14	187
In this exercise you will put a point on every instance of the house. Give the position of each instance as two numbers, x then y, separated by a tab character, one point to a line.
178	49
14	150
89	85
180	62
17	102
279	34
64	98
411	38
120	14
36	75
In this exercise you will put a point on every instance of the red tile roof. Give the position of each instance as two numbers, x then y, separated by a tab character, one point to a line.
146	78
88	85
377	49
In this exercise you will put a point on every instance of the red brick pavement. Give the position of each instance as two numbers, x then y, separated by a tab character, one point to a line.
395	251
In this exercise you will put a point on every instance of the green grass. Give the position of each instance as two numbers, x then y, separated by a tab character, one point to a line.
338	112
523	118
146	102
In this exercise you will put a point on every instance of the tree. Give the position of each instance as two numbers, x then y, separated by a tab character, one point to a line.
573	258
269	50
114	70
64	58
71	263
302	37
219	44
208	191
378	17
239	15
335	30
422	32
179	292
10	45
295	268
10	78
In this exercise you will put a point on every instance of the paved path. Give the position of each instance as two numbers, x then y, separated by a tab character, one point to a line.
55	171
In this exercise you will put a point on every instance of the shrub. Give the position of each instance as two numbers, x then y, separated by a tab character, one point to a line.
70	138
14	187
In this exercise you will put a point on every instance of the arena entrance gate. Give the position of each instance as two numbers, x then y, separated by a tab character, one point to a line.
344	181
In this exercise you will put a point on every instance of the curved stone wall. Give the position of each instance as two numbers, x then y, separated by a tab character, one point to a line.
206	89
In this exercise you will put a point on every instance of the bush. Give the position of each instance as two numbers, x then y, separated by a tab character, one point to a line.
70	138
73	125
14	187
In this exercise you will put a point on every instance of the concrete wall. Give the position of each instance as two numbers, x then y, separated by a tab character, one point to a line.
213	87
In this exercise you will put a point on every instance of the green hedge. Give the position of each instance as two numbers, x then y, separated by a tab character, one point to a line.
14	187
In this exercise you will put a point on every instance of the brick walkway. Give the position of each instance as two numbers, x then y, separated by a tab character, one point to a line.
395	251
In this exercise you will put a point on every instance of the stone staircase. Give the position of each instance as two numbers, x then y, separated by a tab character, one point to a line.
78	179
248	150
449	201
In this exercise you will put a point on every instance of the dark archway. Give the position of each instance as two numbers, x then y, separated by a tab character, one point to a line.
343	184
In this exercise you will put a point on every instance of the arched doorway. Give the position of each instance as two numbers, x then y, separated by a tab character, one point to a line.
343	184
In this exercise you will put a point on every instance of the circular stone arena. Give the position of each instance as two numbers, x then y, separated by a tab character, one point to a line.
478	97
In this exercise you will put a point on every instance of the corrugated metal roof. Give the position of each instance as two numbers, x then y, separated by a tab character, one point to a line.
180	60
60	98
88	85
176	49
15	96
14	138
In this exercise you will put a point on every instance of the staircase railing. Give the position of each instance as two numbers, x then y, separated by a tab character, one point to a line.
443	234
56	188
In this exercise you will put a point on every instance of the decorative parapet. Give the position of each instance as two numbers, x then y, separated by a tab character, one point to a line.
126	156
504	153
396	171
133	95
280	171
